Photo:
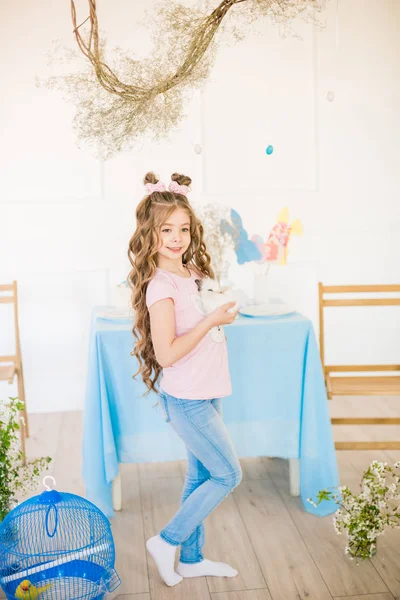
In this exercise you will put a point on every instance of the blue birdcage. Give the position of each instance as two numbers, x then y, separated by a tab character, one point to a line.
57	546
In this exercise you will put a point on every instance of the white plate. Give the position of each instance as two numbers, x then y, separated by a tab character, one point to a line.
266	310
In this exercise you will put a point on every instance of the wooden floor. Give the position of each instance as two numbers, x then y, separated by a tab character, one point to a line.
280	551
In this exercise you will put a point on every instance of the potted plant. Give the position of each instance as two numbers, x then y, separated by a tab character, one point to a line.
366	515
16	478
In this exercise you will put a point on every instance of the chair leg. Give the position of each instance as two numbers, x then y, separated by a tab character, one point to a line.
23	431
117	492
21	396
328	386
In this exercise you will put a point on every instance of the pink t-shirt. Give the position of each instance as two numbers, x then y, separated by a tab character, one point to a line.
203	373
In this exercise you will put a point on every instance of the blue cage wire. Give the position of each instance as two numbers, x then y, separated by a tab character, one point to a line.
57	546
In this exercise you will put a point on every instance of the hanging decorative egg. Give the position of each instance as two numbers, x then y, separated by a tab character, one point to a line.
330	96
269	149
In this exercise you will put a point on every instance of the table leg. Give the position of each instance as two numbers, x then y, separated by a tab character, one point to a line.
294	475
117	492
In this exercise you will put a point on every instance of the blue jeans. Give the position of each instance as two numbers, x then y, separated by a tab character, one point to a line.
213	469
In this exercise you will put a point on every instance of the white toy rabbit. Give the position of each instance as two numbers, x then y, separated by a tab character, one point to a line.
212	295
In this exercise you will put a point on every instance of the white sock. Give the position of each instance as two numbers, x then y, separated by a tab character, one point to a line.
164	557
206	568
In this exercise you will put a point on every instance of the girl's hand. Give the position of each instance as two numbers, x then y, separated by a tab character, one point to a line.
221	316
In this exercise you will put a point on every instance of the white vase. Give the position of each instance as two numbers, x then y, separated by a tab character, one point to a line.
223	278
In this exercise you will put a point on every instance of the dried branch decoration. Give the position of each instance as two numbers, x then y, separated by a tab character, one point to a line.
114	110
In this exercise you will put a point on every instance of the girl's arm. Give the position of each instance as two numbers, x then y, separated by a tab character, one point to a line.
168	348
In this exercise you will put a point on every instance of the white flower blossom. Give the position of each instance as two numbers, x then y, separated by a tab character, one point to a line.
220	246
366	516
17	478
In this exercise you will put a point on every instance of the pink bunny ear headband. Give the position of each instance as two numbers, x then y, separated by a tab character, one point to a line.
173	187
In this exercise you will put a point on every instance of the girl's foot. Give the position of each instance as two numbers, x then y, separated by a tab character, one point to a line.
207	568
164	557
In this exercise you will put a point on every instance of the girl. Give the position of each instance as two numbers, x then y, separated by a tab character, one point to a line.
175	339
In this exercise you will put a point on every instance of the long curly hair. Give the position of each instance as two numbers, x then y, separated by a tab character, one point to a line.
151	213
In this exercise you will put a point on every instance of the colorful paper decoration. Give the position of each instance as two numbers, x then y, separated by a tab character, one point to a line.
245	249
275	249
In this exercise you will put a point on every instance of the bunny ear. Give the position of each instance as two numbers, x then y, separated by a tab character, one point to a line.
226	227
283	216
296	227
236	219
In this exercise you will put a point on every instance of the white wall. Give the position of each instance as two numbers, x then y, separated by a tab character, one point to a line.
65	219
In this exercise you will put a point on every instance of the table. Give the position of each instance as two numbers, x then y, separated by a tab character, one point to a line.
278	407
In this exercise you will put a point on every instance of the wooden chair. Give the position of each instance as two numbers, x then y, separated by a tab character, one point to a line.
367	385
11	366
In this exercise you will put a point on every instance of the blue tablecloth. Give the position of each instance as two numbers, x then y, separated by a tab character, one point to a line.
278	406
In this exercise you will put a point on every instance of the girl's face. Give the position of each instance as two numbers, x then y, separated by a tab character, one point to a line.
175	236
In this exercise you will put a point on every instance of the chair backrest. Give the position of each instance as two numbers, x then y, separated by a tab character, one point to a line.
354	289
9	295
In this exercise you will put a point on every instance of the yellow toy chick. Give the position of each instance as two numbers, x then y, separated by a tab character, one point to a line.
27	591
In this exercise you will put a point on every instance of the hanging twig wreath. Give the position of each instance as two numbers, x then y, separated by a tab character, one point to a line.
147	96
